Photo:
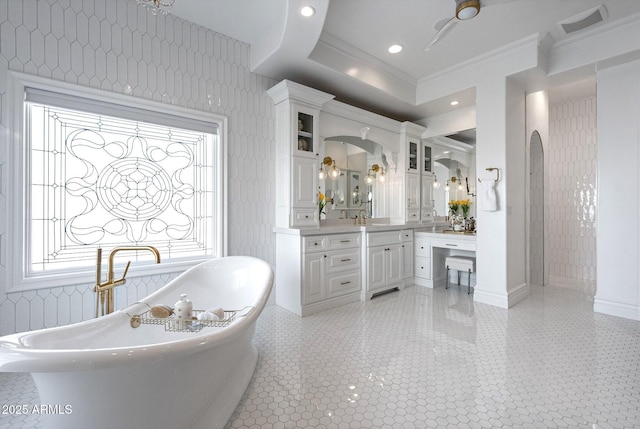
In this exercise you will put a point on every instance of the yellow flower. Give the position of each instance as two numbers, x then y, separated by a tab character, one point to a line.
321	196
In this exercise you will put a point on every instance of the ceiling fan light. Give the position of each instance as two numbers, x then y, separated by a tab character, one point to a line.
467	9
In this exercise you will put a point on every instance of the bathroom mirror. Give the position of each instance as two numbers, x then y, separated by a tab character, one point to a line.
454	163
355	196
350	194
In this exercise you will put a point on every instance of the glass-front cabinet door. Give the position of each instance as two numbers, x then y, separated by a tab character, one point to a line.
427	164
306	133
412	156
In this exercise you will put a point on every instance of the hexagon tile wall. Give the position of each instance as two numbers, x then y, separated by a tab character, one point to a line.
116	45
572	198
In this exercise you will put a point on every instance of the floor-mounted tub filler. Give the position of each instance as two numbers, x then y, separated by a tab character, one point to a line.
130	369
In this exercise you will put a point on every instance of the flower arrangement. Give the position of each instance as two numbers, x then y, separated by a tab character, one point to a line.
321	203
453	206
465	205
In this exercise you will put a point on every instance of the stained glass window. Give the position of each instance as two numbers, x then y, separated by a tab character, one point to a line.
100	180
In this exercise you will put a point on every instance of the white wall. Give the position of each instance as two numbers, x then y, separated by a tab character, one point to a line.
108	44
618	216
500	250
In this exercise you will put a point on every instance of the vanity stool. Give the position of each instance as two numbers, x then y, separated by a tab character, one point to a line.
460	263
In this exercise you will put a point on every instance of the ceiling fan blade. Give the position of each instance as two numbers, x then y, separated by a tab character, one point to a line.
442	27
485	3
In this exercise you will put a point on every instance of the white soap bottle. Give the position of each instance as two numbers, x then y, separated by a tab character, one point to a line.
184	311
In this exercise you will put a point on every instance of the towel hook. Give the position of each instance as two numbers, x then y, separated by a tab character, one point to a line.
497	170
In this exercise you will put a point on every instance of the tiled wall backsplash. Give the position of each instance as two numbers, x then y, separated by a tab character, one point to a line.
116	45
571	163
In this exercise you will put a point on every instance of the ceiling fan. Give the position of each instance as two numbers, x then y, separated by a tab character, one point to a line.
465	10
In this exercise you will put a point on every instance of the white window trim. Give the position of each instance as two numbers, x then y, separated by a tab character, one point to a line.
17	195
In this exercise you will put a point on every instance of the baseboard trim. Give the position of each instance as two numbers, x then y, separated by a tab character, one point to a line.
507	300
618	309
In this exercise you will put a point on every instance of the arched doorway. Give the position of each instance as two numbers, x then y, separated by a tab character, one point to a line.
536	210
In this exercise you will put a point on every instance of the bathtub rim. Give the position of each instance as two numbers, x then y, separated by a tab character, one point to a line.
15	356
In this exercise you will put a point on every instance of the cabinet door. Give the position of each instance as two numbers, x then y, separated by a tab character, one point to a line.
376	267
412	156
304	193
427	192
394	263
407	258
413	191
426	159
313	289
305	125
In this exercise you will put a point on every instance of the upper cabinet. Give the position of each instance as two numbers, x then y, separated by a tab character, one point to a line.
306	126
413	146
297	158
427	162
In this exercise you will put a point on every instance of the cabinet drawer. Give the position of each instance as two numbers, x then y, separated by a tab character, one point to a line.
413	215
423	247
407	235
304	217
427	215
340	261
454	244
383	238
343	283
422	267
314	243
343	241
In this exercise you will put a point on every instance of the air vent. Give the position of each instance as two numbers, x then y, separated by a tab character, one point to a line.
583	20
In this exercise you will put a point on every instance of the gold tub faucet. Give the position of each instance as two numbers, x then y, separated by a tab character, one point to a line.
104	291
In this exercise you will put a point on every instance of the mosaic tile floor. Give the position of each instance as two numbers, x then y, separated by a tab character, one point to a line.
433	359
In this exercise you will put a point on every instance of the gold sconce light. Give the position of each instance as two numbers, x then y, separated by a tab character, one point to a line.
375	168
332	170
436	184
454	180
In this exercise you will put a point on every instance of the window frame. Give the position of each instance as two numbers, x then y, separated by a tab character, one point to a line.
18	193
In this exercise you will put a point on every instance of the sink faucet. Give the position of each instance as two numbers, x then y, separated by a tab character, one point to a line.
363	218
104	291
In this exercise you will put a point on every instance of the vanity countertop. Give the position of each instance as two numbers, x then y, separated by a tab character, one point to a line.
428	233
344	229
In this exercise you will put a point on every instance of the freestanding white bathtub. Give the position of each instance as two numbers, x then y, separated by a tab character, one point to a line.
103	373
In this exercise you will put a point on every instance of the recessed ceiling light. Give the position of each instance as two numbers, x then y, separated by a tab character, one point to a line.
307	11
394	49
454	103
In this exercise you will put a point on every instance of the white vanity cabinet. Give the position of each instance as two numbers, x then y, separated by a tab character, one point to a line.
431	250
297	160
383	264
304	191
426	205
317	272
422	251
407	256
412	192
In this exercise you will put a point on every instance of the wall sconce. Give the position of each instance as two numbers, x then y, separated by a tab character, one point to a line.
376	169
334	171
446	188
436	184
454	180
